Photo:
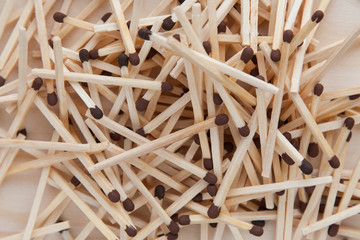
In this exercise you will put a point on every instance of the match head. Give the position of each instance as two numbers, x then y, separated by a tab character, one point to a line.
275	55
244	131
74	181
96	112
210	178
159	192
318	89
259	223
51	43
151	53
302	206
106	16
198	197
114	196
184	220
349	137
144	33
221	119
131	231
22	131
171	236
141	132
280	193
175	217
52	99
217	99
295	143
207	47
260	77
317	16
309	190
128	205
306	167
313	149
254	72
166	87
355	96
59	17
334	162
221	27
37	83
115	136
141	104
256	231
168	23
213	211
173	227
287	159
212	189
196	139
94	54
123	60
288	35
288	136
208	164
247	54
84	55
213	225
2	81
333	230
229	147
177	37
349	123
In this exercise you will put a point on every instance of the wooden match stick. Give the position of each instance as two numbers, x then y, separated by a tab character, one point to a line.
22	65
278	29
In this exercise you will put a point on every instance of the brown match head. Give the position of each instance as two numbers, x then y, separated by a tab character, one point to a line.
37	83
288	136
166	87
288	35
84	55
256	231
144	33
313	149
244	131
355	96
280	193
254	72
175	217
141	132
208	164
309	190
177	37
142	104
221	27
74	181
213	225
210	178
51	43
257	142
259	223
229	147
22	132
196	139
96	112
123	60
287	159
128	205
260	77
59	17
114	196
333	230
173	227
295	143
159	192
131	231
349	123
134	58
306	167
275	55
221	119
2	81
115	136
212	189
334	162
184	220
168	23
247	54
302	206
106	16
207	47
217	99
198	197
94	54
171	236
318	89
151	53
317	16
213	211
128	23
52	99
349	137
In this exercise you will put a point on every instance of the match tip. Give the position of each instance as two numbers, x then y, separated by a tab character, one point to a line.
318	89
221	119
275	55
317	16
184	220
2	81
134	59
168	23
306	167
207	47
114	196
115	136
287	159
52	99
51	43
210	178
144	33
280	193
355	96
247	54
175	217
229	147
221	27
151	53
217	99
208	164
334	162
259	223
59	17
142	104
302	206
22	131
333	230
256	231
166	87
349	137
288	35
309	190
94	54
287	135
213	225
123	60
106	16
213	211
198	197
37	83
159	192
128	205
196	139
173	227
313	149
131	231
254	72
171	236
84	55
260	77
349	123
177	37
295	143
244	131
74	181
212	189
96	112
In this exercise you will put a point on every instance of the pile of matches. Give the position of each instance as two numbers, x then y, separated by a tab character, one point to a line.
207	113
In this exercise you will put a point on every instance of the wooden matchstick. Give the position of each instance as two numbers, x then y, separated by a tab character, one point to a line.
23	64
